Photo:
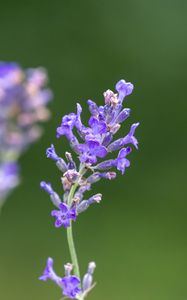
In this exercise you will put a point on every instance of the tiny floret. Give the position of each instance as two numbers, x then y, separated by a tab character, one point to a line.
50	152
70	286
49	273
64	215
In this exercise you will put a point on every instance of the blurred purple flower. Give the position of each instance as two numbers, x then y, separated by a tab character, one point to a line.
23	105
9	178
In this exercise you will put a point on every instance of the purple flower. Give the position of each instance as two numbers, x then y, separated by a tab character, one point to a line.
121	161
70	285
98	127
49	273
128	139
91	150
50	152
64	215
124	89
67	125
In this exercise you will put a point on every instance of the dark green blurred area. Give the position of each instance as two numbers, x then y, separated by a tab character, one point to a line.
137	235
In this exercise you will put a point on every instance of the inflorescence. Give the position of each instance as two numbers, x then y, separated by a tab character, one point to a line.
23	101
91	144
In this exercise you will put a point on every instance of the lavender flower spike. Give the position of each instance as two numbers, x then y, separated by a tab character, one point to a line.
92	145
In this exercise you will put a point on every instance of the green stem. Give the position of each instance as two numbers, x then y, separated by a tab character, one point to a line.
71	244
72	250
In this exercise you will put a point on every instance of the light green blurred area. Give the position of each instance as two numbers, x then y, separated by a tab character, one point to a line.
138	234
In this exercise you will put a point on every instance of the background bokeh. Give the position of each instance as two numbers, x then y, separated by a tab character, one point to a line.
137	235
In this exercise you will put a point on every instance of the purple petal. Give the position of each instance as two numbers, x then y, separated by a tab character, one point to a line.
122	164
93	121
107	139
133	128
63	207
66	223
98	127
124	152
75	280
83	147
93	144
101	151
93	108
124	89
72	214
56	213
88	158
49	272
59	223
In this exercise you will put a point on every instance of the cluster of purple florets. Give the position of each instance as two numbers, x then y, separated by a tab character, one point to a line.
23	103
91	144
70	284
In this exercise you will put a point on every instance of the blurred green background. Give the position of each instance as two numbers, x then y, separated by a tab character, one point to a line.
137	235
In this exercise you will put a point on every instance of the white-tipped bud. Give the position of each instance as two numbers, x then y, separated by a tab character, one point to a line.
91	267
110	97
68	156
97	198
115	128
88	278
68	268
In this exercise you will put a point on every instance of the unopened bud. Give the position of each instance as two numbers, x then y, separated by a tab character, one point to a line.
71	175
68	268
88	278
97	198
110	97
115	128
61	165
55	199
